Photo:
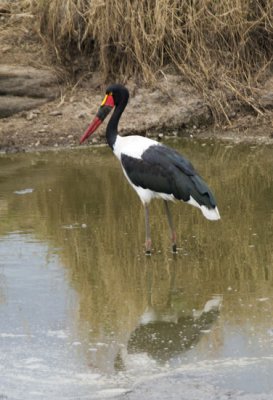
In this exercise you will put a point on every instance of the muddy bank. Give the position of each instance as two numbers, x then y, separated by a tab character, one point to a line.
170	109
166	109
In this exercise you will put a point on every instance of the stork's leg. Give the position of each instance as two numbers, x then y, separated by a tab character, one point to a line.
170	221
148	240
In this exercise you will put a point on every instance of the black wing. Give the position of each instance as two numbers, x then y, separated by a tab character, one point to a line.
164	170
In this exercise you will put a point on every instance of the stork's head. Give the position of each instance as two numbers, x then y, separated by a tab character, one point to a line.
116	95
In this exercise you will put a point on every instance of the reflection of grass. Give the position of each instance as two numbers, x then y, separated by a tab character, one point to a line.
105	260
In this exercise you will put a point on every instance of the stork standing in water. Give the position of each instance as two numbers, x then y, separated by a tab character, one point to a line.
153	170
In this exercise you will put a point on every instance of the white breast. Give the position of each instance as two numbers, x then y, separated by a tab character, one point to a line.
133	146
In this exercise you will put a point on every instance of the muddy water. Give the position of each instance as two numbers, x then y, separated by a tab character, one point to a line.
85	315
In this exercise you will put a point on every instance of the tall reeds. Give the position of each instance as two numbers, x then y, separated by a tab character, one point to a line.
223	48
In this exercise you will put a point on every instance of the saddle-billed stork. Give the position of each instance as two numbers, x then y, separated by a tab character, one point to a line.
153	169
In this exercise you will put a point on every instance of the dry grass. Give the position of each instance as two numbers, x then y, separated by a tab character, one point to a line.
223	48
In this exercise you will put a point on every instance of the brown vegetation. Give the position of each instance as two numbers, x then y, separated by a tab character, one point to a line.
223	48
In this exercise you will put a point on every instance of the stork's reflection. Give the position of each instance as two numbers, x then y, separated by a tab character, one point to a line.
169	331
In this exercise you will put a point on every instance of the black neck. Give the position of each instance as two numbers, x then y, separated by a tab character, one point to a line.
112	127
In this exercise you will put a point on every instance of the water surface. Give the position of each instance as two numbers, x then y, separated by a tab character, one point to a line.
86	315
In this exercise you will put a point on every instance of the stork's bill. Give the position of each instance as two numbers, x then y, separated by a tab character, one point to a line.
106	106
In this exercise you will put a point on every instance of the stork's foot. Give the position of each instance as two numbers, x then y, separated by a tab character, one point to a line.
148	247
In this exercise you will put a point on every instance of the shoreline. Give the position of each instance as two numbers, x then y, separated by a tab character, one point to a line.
228	138
171	110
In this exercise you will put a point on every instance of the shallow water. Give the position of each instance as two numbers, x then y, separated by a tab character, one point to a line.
86	315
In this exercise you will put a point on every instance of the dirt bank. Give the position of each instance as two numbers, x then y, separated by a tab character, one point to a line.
157	112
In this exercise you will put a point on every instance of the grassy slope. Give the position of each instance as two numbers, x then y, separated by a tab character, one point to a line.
223	48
